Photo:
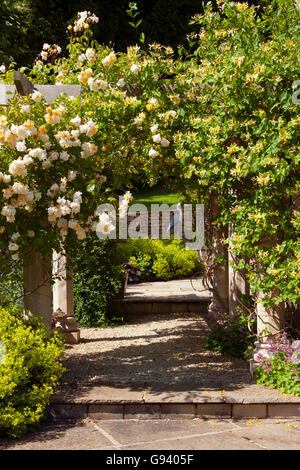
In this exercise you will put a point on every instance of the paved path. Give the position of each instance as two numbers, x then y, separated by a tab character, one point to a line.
183	290
197	434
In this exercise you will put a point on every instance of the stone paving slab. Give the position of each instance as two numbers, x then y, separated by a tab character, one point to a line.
134	434
177	290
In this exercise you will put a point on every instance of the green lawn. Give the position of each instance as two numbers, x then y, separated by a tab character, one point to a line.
157	195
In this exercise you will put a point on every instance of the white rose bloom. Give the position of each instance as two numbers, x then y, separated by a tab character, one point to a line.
46	164
27	160
154	128
72	224
62	223
9	212
6	178
44	55
164	142
2	69
81	233
76	121
53	156
156	139
15	257
36	96
71	175
93	84
20	188
90	54
135	68
17	168
105	226
13	246
121	83
21	146
38	153
82	58
31	233
25	108
46	46
153	153
77	197
65	210
75	207
64	156
15	236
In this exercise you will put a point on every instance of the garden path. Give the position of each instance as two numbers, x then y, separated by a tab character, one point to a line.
157	363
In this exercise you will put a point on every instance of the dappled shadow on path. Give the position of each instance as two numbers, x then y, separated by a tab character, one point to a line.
155	353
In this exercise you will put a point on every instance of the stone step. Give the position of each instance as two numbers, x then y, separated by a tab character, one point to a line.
153	305
110	402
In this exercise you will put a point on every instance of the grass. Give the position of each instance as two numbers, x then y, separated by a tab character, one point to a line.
157	195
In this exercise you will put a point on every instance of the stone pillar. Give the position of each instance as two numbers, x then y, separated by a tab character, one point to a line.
237	284
220	297
270	318
37	286
63	300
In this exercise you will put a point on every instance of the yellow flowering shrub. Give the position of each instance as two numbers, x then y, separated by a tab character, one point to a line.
29	372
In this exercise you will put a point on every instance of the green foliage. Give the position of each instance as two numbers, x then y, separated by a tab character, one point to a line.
11	284
281	376
229	334
29	372
281	370
98	282
242	147
159	259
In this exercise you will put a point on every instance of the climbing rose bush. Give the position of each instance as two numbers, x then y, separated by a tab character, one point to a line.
59	161
51	174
